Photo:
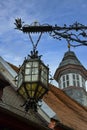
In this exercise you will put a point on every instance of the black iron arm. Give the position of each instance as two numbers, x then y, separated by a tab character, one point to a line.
74	33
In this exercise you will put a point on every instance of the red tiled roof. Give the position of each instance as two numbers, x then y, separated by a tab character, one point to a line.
14	67
70	113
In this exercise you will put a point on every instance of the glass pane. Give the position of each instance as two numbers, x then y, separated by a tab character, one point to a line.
74	83
67	83
78	83
64	84
34	86
22	92
28	71
25	95
20	80
77	77
29	64
20	76
63	78
73	76
39	88
35	64
32	94
43	68
34	77
44	74
28	78
30	87
41	92
67	77
43	81
34	70
37	95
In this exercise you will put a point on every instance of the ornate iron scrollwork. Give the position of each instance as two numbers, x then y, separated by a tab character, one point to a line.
74	33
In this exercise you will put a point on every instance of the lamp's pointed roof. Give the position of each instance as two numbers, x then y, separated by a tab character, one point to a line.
69	58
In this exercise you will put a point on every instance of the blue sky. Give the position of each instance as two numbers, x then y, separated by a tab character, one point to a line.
14	45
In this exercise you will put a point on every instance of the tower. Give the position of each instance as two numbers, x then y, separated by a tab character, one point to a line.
71	76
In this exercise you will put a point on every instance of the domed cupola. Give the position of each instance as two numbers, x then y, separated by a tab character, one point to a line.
70	72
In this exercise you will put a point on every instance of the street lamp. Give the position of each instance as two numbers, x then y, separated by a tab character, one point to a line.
32	79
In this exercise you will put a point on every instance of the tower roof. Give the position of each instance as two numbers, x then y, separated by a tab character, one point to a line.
69	58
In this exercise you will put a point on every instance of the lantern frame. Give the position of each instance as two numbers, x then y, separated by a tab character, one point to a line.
32	81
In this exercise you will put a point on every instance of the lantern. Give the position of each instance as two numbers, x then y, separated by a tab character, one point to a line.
32	81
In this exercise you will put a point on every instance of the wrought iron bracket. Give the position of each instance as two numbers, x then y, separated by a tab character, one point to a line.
76	33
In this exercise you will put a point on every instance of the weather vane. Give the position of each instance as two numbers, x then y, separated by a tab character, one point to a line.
74	33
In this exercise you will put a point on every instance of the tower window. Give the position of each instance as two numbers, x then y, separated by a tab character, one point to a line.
77	77
64	78
83	83
72	79
64	81
60	83
76	81
67	80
